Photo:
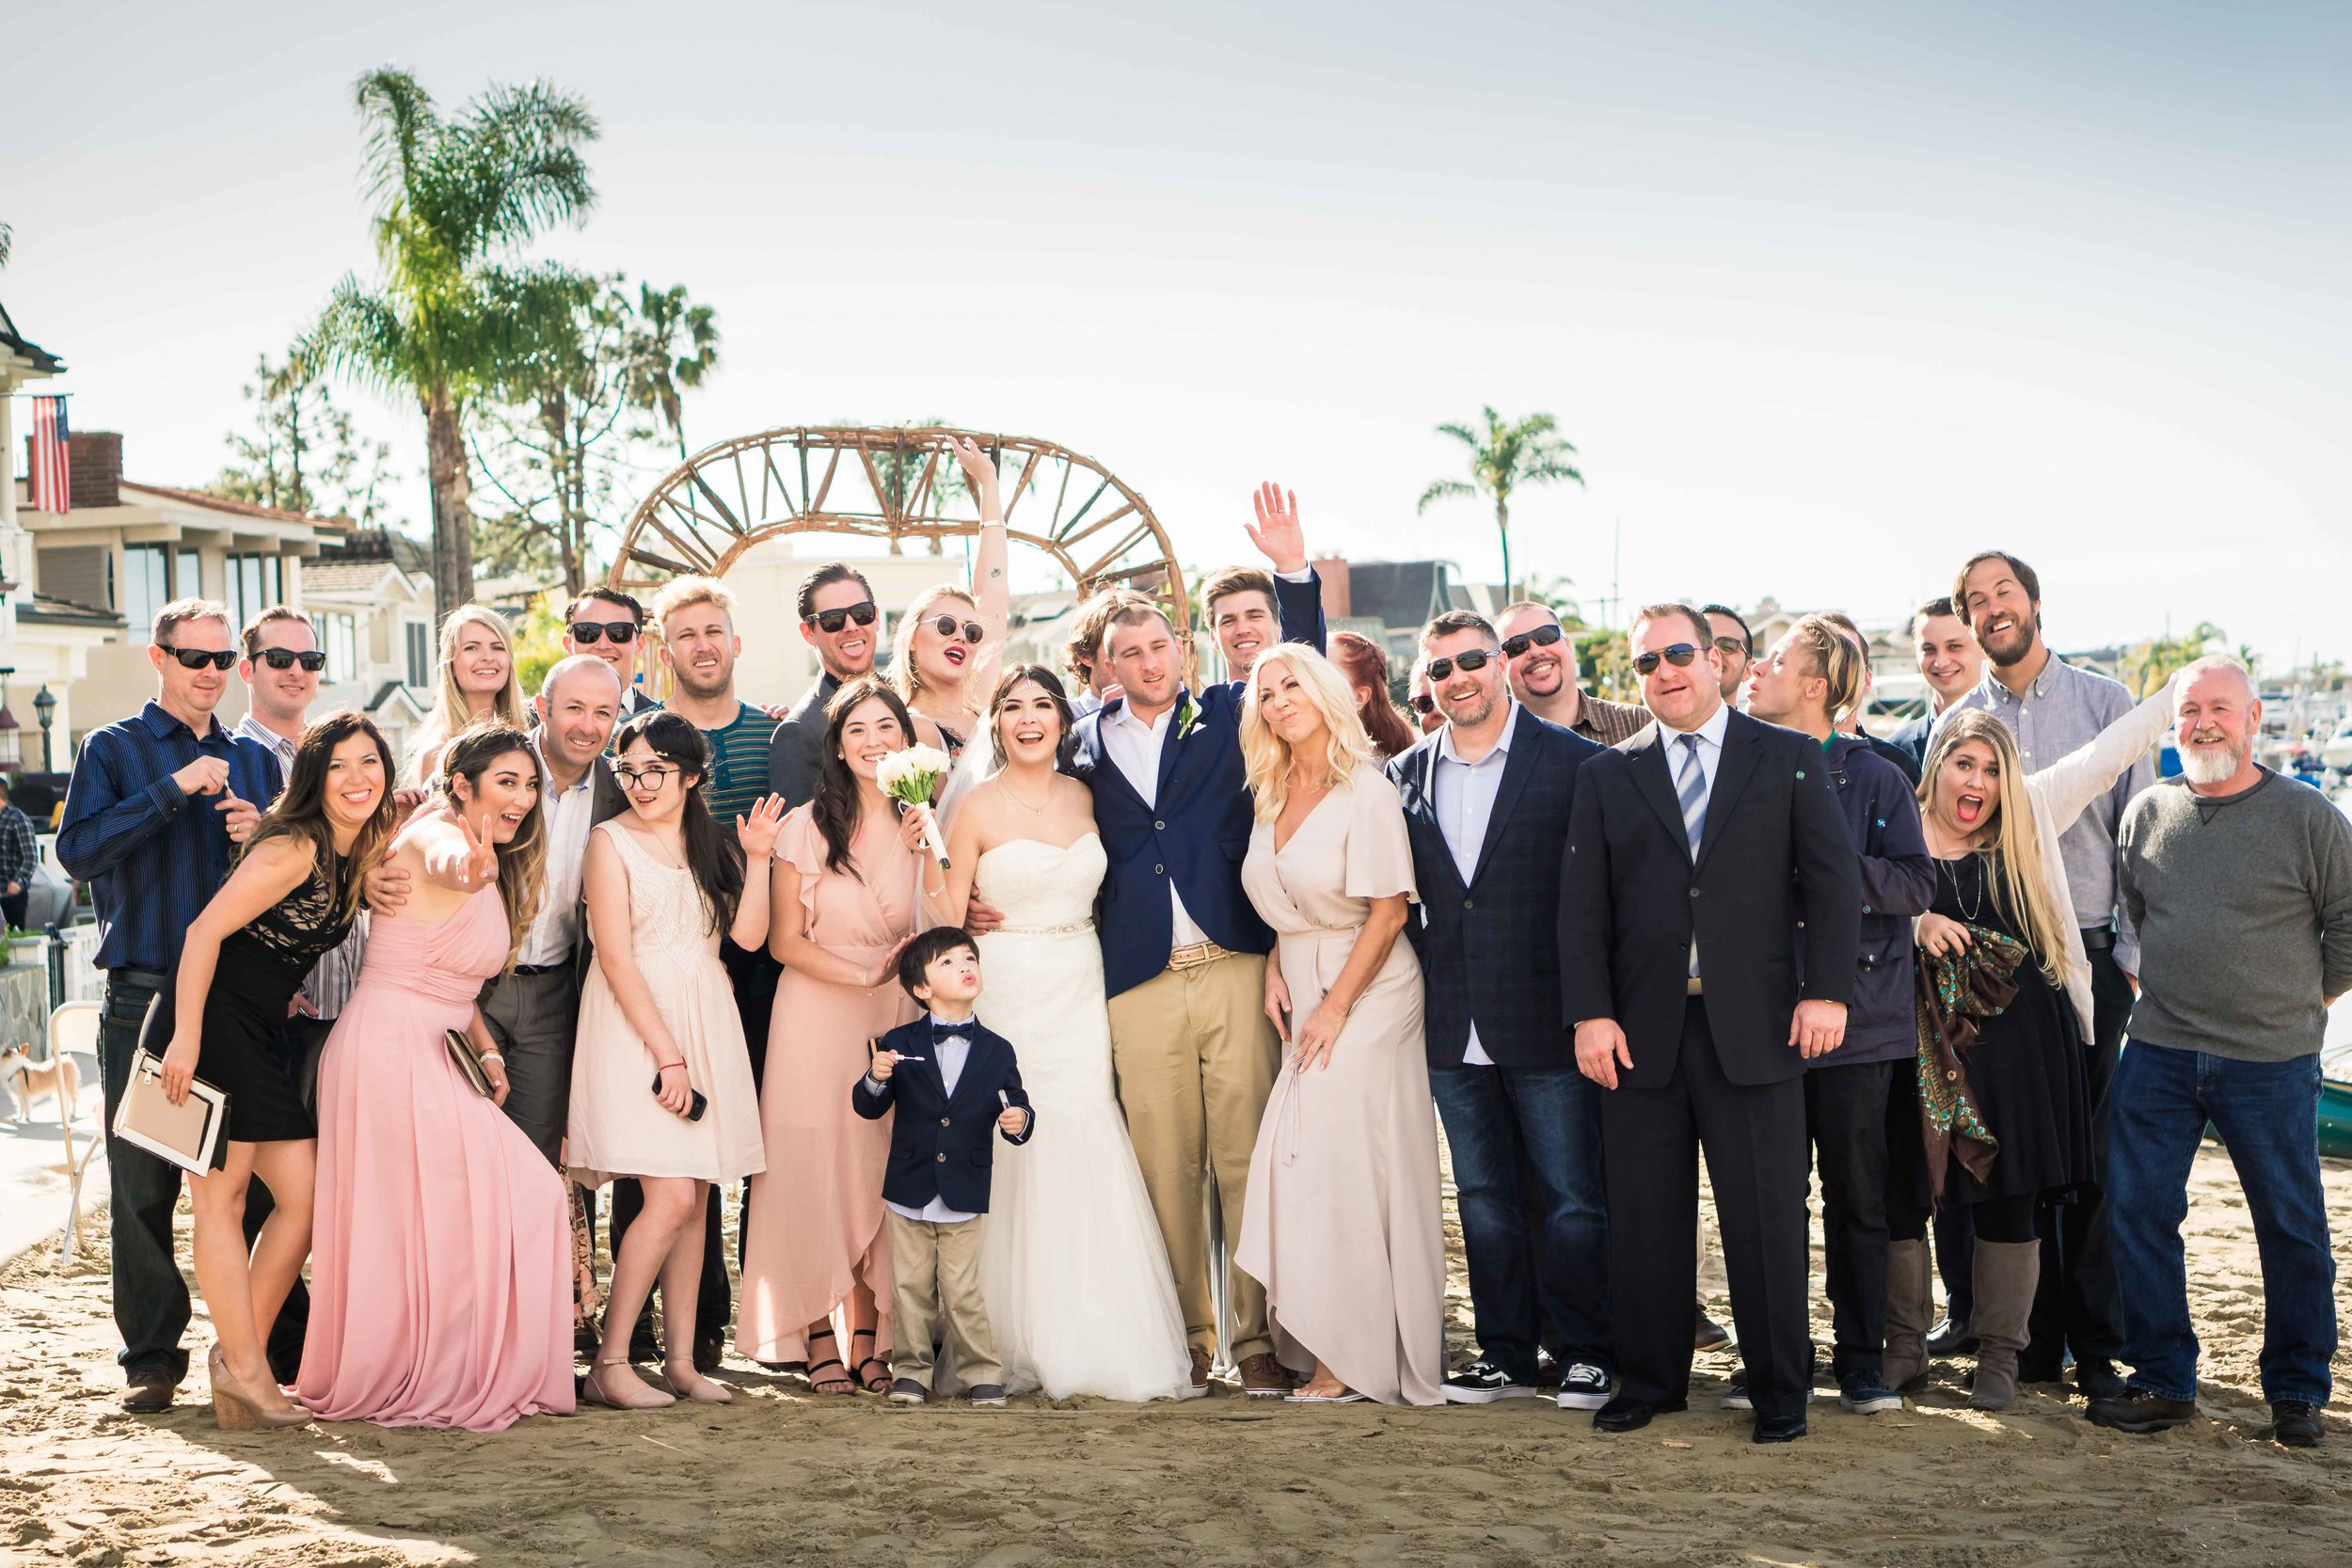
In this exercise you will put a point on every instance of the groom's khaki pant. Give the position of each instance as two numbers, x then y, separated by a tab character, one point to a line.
1196	1060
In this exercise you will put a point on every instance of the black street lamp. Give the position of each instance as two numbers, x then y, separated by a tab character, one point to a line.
45	709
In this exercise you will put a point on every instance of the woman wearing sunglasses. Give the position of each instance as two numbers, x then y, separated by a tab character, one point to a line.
943	658
476	682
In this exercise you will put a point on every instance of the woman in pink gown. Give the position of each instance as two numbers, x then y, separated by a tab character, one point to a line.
844	903
440	1283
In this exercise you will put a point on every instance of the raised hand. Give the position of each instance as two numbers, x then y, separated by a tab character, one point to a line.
479	863
978	472
884	1064
1277	533
757	832
204	776
1012	1120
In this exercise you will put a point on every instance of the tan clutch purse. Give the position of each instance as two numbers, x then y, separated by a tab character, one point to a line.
185	1135
461	1051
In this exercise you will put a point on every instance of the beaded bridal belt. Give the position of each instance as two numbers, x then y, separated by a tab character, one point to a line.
1071	929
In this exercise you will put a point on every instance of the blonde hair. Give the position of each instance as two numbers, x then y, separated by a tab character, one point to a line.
1835	661
685	592
1267	756
452	709
904	679
2015	843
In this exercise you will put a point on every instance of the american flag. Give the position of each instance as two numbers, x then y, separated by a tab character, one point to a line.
53	478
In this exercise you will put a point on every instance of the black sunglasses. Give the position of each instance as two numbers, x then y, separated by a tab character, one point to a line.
947	625
1677	656
588	633
196	659
1468	663
831	620
1424	704
1542	637
286	658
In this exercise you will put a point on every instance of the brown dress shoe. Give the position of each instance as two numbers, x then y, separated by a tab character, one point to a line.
149	1392
1200	1369
1262	1377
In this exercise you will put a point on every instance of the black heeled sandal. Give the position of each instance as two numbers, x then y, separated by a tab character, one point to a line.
880	1382
817	1380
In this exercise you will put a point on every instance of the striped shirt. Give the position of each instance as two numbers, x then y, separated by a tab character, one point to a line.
738	765
329	985
153	856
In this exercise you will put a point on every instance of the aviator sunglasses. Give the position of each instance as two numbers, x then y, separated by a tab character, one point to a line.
1468	663
1542	637
286	658
196	659
1678	655
588	633
830	622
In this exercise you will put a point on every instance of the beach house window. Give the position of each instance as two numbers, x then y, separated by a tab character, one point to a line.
187	575
419	637
340	635
254	584
146	585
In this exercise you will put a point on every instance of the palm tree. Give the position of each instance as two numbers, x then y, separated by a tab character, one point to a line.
674	347
1511	454
452	193
7	234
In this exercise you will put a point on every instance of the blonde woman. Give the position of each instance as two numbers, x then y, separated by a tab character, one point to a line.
477	683
1343	1224
943	658
2004	1008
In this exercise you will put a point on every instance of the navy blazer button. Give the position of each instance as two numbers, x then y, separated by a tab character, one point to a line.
1694	893
1469	903
1159	827
1159	871
945	1122
942	1159
1866	908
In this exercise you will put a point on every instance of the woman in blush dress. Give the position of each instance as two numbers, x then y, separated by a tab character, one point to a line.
1344	1224
1072	1263
440	1280
659	1029
843	904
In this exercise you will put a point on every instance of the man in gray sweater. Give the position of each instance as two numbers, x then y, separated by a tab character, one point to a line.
2240	883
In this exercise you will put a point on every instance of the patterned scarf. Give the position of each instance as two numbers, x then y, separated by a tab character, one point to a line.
1953	993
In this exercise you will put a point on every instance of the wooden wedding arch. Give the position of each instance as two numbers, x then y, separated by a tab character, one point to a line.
894	483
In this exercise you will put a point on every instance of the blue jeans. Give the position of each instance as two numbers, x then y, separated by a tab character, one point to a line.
1495	1115
2267	1113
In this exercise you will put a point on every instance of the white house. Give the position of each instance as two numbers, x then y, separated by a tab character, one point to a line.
372	600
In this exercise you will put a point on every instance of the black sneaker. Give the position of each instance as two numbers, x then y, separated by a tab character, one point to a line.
1585	1388
1865	1393
2140	1412
1952	1337
906	1390
2098	1380
2295	1424
1483	1383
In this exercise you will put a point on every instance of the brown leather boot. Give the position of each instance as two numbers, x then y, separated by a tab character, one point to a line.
1910	1313
2006	1275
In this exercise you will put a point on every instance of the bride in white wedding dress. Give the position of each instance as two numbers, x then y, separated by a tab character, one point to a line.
1072	1264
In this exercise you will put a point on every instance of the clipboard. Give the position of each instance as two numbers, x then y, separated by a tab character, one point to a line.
186	1135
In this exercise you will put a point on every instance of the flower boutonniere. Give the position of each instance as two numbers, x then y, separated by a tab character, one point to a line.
1188	716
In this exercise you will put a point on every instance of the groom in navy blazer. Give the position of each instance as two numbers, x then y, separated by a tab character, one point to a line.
1486	803
1183	953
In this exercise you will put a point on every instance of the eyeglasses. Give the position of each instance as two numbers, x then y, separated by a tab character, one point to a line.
1424	704
1678	655
830	622
589	633
1542	637
286	658
196	659
1733	645
1468	663
652	776
947	625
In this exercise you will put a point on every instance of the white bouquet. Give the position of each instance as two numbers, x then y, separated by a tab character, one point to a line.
912	778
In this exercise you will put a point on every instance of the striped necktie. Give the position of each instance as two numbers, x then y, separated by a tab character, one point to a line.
1691	786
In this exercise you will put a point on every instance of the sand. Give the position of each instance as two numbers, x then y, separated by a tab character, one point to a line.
782	1476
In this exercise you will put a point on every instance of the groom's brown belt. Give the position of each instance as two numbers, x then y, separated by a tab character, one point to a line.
1196	955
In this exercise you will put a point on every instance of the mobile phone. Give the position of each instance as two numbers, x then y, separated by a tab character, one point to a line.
694	1111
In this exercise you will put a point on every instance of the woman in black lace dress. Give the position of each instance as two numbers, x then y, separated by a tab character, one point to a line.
292	898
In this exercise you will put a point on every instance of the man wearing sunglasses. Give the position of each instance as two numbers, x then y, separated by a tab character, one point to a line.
1423	700
607	623
1704	853
144	826
1486	800
1736	645
1542	658
840	622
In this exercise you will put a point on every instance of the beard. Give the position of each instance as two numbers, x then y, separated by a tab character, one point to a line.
2210	764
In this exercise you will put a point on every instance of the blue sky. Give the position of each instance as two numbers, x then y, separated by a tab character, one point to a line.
1828	297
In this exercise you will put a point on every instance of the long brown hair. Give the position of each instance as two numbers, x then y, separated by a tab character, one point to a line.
1362	661
521	858
2011	841
300	809
712	854
835	809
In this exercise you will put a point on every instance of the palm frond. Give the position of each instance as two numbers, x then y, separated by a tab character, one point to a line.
522	172
362	337
402	127
1444	489
1462	434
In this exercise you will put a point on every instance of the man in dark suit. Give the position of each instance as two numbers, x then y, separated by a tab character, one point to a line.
840	621
1183	953
1487	804
1704	852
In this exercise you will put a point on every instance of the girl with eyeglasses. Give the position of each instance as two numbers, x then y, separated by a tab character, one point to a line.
476	683
662	1078
943	658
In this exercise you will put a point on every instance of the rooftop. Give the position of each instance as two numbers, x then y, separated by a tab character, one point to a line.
44	362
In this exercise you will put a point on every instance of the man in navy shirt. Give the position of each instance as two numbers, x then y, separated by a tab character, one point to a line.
148	820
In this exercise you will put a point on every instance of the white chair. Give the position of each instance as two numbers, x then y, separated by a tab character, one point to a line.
74	1026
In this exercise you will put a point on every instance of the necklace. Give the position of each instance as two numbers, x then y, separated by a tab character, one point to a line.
1006	780
1959	897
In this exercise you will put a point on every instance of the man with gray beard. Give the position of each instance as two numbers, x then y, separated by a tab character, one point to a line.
2240	883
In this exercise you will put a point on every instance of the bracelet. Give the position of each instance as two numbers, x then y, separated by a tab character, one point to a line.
665	1067
489	1056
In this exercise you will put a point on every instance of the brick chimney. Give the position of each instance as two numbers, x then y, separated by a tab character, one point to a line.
96	464
1333	570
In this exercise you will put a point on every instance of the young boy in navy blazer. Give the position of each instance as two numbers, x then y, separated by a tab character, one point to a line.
953	1083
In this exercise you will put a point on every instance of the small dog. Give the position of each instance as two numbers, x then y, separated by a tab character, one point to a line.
29	1080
